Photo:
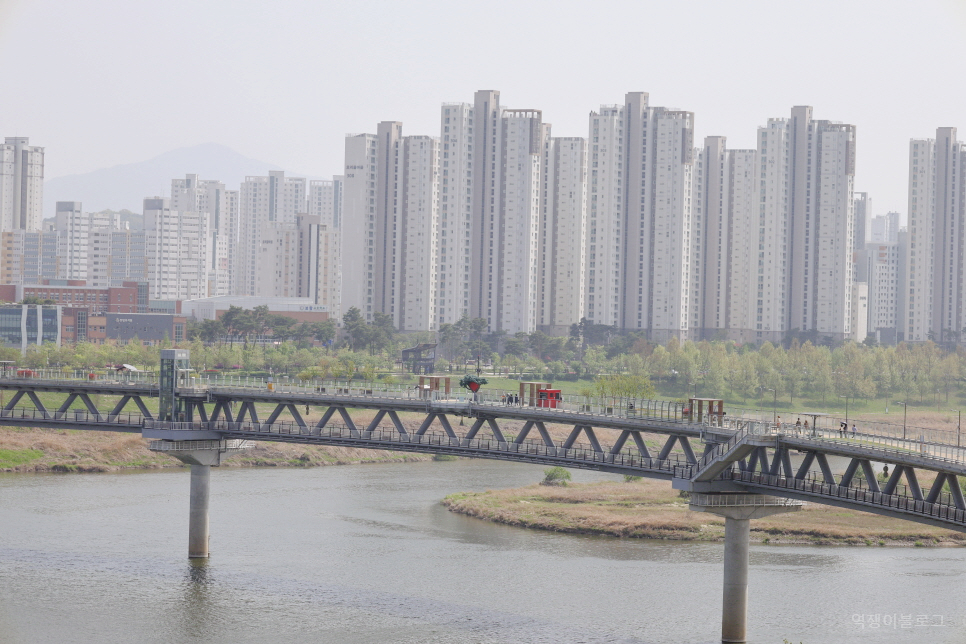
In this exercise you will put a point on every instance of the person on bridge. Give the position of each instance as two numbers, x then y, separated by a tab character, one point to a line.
853	430
798	426
806	425
843	427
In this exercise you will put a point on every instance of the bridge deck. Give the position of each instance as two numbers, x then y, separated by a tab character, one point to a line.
739	454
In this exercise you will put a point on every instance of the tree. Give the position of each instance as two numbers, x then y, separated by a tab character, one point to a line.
231	319
324	331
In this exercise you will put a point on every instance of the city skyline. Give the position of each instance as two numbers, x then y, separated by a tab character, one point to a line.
741	64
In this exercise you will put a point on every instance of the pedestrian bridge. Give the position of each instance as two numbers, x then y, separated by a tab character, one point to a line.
636	437
739	468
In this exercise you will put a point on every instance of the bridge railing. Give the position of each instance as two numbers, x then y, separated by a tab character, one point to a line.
941	511
879	443
385	437
72	416
670	411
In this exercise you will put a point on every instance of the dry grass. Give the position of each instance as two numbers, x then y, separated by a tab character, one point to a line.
89	451
651	509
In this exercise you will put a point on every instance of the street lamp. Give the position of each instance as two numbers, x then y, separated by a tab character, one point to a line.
774	418
846	409
959	424
905	409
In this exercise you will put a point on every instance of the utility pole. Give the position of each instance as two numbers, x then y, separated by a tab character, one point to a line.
959	425
905	408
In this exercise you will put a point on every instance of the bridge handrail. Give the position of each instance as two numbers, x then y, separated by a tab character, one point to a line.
74	416
908	504
924	449
386	435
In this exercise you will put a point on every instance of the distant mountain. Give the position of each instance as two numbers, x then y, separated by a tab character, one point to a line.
126	186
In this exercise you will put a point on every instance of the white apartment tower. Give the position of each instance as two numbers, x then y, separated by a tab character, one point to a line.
325	206
455	212
724	234
21	185
821	225
936	284
639	217
606	224
863	217
563	225
263	201
417	235
486	196
390	226
74	227
178	250
359	223
743	286
885	228
195	195
883	276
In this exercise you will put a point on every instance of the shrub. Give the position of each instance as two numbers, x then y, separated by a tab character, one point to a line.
555	476
630	478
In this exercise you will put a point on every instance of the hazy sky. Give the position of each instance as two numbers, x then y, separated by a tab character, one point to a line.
104	82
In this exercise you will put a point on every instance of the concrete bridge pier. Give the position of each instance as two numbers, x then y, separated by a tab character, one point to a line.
738	510
198	511
201	456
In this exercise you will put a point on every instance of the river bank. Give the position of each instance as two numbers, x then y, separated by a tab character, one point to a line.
57	450
649	509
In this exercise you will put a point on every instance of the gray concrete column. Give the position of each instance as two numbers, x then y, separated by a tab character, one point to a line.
734	610
198	513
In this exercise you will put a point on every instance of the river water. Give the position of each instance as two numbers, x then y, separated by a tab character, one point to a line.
366	554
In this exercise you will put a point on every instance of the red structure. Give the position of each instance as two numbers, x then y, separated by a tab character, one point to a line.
548	398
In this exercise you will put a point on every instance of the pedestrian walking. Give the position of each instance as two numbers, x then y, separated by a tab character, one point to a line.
853	430
843	427
798	426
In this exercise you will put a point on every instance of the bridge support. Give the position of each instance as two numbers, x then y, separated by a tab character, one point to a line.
738	510
201	456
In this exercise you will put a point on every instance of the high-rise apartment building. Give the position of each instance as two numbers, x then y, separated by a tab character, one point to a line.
21	185
325	205
31	257
639	212
563	227
724	234
390	226
414	305
821	220
744	291
75	226
263	201
455	211
885	228
863	216
117	256
359	224
192	194
883	276
179	251
936	288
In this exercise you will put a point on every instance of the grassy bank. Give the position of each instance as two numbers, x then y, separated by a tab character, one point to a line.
53	450
652	510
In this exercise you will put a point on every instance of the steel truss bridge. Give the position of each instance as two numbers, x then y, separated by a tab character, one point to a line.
733	456
739	468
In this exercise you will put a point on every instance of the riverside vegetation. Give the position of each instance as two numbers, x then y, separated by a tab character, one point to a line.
649	509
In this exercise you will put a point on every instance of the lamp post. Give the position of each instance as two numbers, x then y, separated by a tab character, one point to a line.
959	424
774	417
846	409
905	409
